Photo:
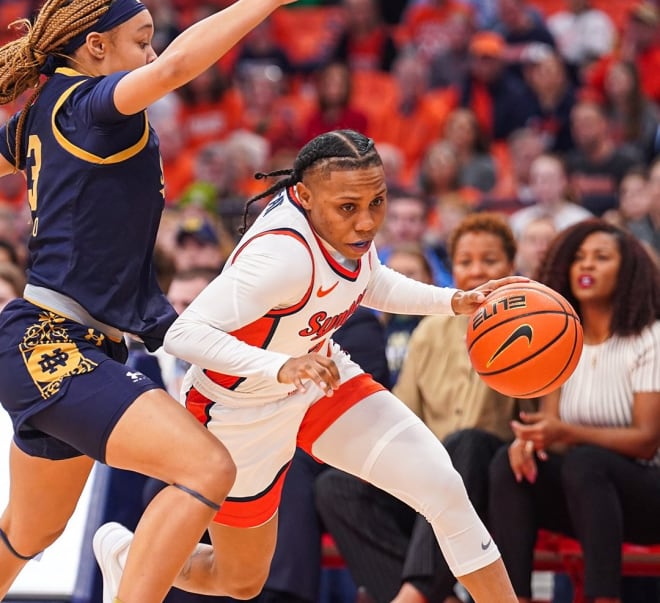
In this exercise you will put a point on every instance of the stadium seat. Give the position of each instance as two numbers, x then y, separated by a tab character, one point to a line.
552	553
308	33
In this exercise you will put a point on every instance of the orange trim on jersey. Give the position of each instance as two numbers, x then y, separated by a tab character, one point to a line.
226	381
257	334
199	406
327	410
296	235
351	275
255	510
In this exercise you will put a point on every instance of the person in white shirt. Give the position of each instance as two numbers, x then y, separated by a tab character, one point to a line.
582	33
549	186
588	463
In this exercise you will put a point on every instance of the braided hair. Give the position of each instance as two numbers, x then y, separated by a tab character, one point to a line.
338	150
22	61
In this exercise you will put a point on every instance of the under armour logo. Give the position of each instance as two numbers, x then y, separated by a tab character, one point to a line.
94	337
50	362
135	376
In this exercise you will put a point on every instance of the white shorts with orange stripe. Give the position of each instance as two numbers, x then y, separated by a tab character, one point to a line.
262	439
362	429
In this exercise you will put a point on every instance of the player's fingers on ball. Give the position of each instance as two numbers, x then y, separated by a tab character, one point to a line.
493	284
507	280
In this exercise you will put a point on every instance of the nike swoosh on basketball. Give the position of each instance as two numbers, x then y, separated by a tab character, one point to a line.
485	545
321	292
521	331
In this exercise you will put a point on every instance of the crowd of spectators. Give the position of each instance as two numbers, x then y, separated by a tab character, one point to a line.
544	111
461	97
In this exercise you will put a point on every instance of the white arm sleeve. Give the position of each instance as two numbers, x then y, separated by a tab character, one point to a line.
273	271
390	291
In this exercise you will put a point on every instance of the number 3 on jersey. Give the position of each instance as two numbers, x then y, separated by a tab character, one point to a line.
34	153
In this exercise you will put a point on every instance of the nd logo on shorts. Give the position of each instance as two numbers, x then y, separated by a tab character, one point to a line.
50	355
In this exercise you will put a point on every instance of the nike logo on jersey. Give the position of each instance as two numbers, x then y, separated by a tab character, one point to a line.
521	331
485	545
321	292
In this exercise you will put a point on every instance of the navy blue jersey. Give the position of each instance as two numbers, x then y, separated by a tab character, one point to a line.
96	193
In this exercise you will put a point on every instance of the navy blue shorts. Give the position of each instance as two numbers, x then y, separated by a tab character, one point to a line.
64	384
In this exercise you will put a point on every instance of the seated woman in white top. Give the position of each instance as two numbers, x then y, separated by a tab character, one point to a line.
588	463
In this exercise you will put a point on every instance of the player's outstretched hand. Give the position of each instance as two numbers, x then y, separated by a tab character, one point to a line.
320	369
466	302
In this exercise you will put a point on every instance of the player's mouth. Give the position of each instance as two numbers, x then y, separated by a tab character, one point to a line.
360	245
585	281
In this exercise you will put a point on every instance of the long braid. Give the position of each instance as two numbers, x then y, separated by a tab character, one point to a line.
338	150
21	60
278	186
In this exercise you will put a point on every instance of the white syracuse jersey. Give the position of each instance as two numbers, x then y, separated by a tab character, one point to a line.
283	293
332	295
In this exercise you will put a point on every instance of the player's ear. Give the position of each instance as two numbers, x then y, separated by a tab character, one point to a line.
96	44
304	195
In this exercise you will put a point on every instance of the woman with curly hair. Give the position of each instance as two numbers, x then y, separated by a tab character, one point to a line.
588	463
96	193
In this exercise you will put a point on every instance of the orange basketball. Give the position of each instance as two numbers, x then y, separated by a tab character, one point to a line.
524	340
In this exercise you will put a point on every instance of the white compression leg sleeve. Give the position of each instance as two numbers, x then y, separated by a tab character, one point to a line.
381	441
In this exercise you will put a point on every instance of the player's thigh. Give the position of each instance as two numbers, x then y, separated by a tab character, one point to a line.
243	553
158	437
42	496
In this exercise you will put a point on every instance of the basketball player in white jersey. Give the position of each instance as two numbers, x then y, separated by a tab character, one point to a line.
266	375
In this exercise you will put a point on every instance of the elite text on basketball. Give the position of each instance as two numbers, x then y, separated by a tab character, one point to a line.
501	304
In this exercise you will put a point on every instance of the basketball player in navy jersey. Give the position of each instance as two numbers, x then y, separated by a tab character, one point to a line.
96	192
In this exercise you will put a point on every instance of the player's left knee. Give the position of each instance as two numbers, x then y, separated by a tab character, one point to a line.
24	549
454	498
246	587
237	578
